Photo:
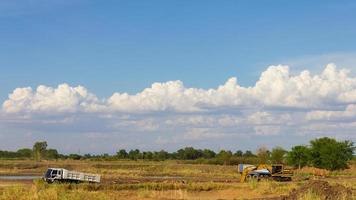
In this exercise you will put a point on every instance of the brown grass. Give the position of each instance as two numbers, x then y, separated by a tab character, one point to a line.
122	169
191	182
314	171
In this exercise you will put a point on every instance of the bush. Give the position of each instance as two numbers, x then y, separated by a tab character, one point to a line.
327	153
299	156
278	155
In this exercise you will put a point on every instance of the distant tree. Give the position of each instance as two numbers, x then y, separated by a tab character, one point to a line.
299	156
87	156
24	153
162	155
8	154
39	149
51	154
224	156
192	154
238	153
278	155
248	154
135	154
330	154
148	155
174	155
122	154
207	153
189	153
263	155
180	154
106	156
74	156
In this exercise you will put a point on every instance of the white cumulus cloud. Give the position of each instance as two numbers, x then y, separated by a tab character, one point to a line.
349	112
275	88
64	98
281	104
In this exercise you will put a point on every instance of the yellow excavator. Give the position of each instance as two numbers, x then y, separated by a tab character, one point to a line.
275	172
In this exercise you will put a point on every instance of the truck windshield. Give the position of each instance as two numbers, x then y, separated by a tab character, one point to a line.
48	173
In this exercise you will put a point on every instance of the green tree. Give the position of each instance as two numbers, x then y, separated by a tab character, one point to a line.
39	149
330	154
207	153
299	156
24	153
106	156
51	154
224	156
8	154
278	155
238	153
87	156
122	154
189	153
135	154
162	155
147	155
74	156
248	153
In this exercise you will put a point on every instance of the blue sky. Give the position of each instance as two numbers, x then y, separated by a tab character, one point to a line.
125	46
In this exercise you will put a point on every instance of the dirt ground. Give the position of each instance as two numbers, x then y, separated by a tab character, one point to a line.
322	189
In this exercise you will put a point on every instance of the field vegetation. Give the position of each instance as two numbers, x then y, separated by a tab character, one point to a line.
126	179
184	174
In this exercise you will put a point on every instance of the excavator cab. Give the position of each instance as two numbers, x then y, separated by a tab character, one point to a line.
277	169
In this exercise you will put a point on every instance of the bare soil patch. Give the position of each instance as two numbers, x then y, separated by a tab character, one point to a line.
322	189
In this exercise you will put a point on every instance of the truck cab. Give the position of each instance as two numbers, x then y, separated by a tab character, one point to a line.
53	174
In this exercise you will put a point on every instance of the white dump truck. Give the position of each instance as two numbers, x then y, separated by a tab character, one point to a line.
63	175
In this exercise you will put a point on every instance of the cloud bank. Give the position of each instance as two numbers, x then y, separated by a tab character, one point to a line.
280	104
275	88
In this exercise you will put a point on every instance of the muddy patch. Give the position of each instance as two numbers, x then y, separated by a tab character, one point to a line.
22	177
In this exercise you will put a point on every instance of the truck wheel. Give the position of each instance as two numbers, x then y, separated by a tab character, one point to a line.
264	176
248	177
255	176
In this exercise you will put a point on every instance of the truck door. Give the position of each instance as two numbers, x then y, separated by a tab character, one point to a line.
54	174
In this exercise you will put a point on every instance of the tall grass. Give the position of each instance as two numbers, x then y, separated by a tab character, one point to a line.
310	195
42	190
164	190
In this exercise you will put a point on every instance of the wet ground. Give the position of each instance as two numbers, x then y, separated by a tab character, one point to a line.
19	177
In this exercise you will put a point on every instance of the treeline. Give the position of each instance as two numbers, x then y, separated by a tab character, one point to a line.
190	155
324	153
38	152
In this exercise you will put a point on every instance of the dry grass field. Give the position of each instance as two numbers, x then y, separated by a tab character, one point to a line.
170	180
